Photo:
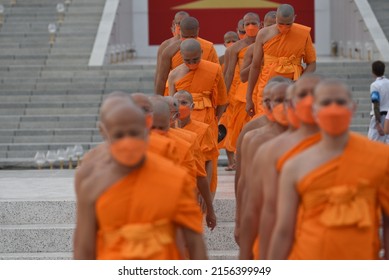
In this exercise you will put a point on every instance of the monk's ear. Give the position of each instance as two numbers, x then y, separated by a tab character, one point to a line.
192	106
354	106
102	131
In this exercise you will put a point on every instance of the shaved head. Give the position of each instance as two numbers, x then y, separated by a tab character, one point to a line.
190	45
184	94
270	18
143	101
111	101
179	16
230	36
278	93
251	16
189	23
290	91
240	24
161	112
331	86
285	11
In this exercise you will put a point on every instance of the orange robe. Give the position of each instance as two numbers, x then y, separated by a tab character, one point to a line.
340	202
135	223
163	146
192	139
282	56
303	145
206	84
209	54
239	116
208	146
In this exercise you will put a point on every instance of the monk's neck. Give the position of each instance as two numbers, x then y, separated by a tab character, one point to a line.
279	128
334	143
308	129
184	122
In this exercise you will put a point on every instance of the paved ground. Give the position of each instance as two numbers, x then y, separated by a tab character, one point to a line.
59	184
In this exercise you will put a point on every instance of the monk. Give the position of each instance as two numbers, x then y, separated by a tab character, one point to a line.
302	133
237	51
205	135
120	214
204	80
247	193
201	174
176	31
339	185
240	29
255	123
229	39
280	48
171	56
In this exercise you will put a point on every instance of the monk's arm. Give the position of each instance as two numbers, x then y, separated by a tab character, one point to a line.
385	221
310	68
250	208
203	187
171	83
162	72
209	170
246	65
159	58
254	72
86	228
287	204
221	93
229	76
268	211
195	244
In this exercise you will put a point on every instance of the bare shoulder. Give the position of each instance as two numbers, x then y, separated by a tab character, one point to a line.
171	49
266	33
236	47
178	71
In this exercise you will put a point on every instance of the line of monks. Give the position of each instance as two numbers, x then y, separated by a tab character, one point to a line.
306	187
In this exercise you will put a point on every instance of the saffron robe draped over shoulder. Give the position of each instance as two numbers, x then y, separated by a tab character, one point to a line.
283	54
206	84
239	116
137	216
339	204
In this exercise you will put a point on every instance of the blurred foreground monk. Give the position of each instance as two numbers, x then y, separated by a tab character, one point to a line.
280	48
158	143
171	56
204	80
247	193
120	214
339	184
204	133
267	157
237	100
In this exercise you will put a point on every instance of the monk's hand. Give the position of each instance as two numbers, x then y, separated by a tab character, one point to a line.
250	108
211	219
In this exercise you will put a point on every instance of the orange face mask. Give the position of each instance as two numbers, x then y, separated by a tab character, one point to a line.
268	113
128	151
304	110
149	120
251	30
334	119
283	28
241	36
292	118
184	112
279	115
192	66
